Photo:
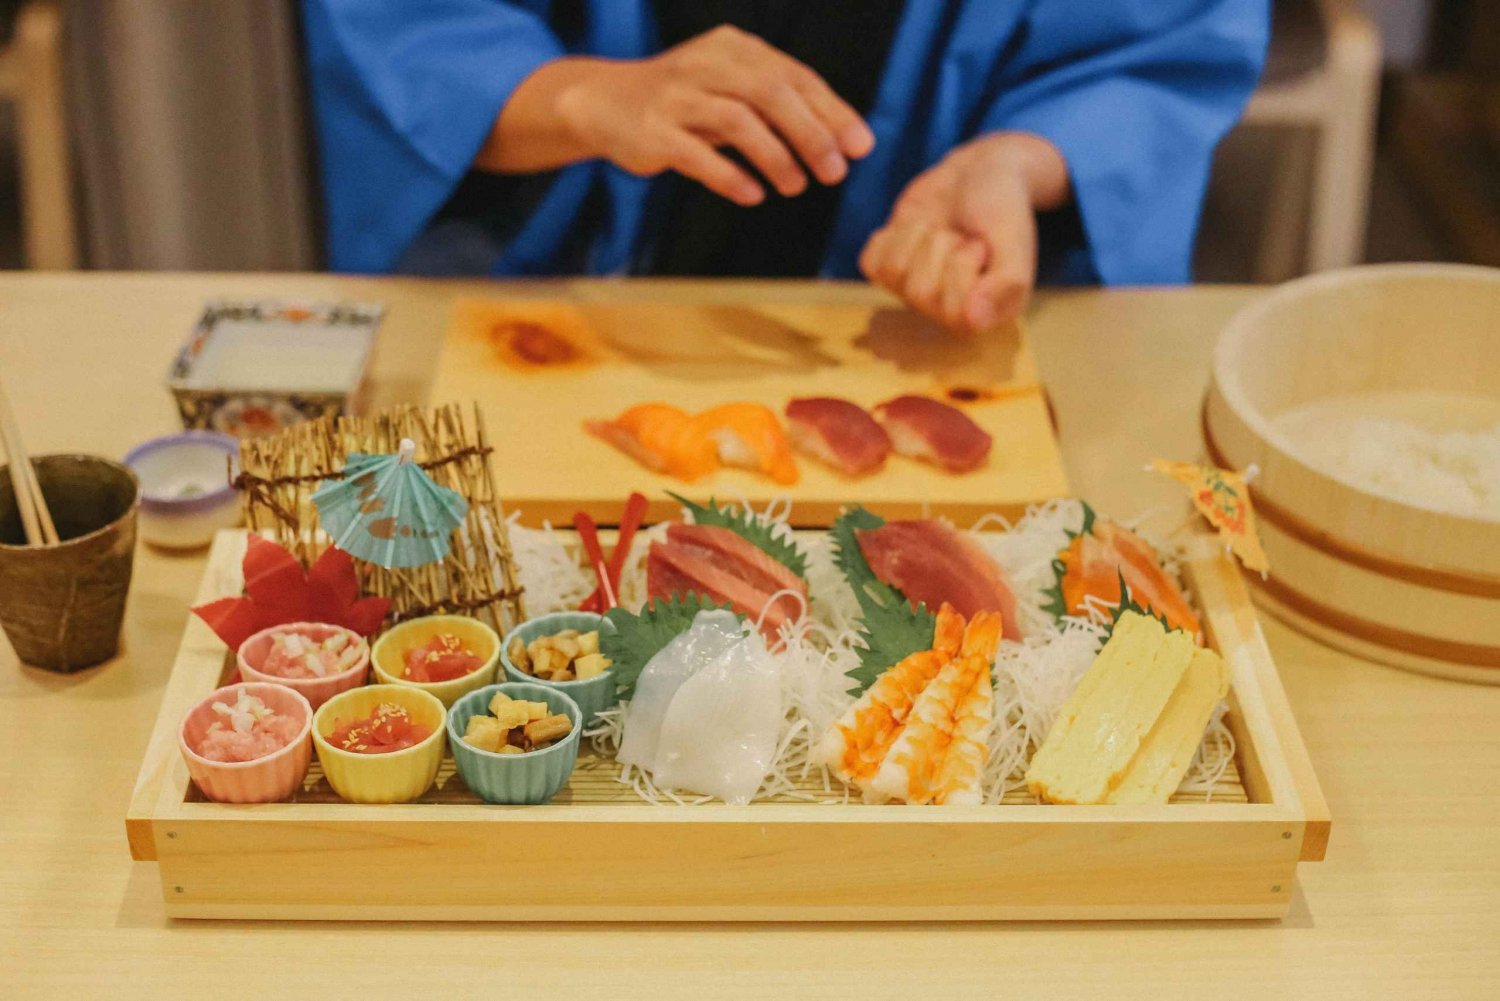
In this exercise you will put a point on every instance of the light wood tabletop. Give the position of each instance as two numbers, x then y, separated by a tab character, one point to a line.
1407	904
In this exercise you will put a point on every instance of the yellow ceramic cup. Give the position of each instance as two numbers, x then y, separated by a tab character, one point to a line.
393	777
389	654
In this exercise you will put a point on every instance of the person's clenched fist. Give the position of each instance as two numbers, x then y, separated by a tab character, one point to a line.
961	243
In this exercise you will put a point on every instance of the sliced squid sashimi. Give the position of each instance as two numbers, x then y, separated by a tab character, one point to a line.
661	437
932	562
711	635
749	436
1094	562
839	433
719	733
932	431
911	770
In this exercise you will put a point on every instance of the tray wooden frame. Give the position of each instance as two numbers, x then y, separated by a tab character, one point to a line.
636	862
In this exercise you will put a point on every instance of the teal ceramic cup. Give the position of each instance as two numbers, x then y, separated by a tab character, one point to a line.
533	777
593	695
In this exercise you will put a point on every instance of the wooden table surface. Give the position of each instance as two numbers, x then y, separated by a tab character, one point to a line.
1407	904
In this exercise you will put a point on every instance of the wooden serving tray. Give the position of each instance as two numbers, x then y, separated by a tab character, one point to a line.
699	355
604	855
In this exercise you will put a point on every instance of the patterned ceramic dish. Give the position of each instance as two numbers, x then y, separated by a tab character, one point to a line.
389	655
253	368
252	656
593	695
533	777
392	777
266	779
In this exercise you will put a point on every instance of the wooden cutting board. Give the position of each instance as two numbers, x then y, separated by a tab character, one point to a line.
538	370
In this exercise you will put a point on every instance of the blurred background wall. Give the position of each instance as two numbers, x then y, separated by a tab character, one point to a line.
173	134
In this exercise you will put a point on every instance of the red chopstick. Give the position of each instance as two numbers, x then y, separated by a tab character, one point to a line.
630	520
588	534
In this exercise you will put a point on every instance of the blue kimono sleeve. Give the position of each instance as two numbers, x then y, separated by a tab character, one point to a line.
404	95
1136	94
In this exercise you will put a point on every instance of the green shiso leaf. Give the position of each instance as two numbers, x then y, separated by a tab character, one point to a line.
639	637
750	528
892	629
1129	604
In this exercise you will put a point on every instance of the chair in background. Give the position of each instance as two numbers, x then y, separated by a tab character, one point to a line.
1323	76
31	76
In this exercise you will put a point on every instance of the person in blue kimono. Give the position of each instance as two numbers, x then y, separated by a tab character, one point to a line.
952	151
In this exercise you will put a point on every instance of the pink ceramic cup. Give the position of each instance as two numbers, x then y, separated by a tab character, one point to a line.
252	654
264	780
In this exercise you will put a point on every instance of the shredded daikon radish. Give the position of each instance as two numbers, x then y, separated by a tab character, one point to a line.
551	576
1033	677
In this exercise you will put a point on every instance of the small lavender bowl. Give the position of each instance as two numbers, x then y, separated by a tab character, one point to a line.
185	492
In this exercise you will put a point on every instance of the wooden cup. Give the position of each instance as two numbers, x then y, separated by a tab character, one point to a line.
62	605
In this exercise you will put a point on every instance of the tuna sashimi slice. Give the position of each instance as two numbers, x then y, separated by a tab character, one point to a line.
932	431
839	433
931	562
723	567
751	562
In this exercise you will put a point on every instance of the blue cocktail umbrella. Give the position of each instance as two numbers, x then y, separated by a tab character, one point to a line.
387	510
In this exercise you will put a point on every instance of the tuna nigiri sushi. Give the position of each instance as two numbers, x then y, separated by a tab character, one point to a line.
926	429
1094	562
749	436
839	433
662	438
932	562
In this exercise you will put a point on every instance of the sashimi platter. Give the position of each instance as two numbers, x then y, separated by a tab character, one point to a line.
393	683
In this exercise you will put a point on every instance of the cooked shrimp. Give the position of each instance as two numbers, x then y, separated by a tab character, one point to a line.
958	780
911	769
858	742
949	631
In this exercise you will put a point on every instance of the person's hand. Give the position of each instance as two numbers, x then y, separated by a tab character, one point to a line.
961	243
674	111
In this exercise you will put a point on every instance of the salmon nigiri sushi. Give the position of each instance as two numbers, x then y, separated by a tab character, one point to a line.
934	432
838	433
662	438
749	436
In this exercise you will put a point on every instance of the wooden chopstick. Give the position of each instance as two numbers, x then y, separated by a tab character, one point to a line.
36	519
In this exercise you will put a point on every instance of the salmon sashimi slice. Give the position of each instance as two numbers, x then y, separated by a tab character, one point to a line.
927	429
661	437
724	567
1094	562
838	433
749	436
932	562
